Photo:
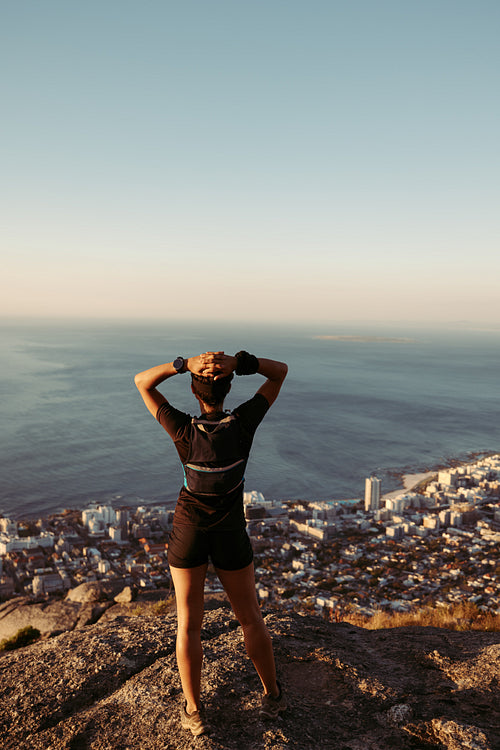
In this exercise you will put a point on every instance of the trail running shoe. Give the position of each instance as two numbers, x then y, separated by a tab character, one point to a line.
194	722
271	707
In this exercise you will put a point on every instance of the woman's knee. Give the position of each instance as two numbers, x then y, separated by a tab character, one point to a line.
250	616
255	627
189	626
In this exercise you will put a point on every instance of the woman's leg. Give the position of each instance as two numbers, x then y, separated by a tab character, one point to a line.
189	584
240	588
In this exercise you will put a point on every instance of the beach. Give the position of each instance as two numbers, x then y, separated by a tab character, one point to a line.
410	481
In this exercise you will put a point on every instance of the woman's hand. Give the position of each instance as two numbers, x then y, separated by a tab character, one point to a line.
199	365
212	364
224	365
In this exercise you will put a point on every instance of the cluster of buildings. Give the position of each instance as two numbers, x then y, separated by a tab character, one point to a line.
437	543
50	556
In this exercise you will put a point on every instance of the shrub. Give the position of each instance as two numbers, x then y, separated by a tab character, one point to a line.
23	637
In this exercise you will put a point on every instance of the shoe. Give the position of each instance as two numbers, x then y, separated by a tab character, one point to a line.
194	722
271	706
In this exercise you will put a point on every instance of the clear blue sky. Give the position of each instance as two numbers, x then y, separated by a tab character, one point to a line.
277	159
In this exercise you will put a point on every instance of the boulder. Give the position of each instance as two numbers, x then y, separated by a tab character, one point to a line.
94	591
126	596
48	617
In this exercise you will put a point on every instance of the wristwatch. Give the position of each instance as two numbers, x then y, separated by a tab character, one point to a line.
179	364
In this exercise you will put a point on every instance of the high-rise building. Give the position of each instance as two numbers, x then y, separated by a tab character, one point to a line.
372	494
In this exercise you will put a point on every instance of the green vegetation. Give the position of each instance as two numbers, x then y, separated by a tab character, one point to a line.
23	637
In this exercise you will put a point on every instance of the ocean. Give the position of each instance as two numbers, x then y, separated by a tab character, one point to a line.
358	399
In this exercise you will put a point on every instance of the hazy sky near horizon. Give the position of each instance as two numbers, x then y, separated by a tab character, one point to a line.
277	160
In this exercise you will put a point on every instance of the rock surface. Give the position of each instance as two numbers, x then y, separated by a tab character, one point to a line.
113	685
98	591
82	606
48	617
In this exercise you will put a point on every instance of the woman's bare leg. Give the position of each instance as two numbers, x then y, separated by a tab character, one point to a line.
239	585
189	584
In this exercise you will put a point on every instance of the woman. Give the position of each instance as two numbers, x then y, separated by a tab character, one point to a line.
209	521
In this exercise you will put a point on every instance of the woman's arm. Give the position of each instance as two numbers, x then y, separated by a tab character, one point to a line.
275	372
148	381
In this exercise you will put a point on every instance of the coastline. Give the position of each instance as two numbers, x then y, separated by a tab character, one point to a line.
410	481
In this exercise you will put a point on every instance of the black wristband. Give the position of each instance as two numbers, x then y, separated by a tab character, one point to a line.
246	364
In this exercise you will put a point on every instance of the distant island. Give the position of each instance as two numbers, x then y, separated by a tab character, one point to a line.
367	339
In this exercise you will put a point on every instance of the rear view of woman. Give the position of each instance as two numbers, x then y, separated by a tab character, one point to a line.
209	521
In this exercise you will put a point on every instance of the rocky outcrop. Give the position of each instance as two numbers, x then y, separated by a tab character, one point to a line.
82	606
114	686
49	617
98	591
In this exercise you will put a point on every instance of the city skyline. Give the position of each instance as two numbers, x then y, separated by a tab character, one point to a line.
273	162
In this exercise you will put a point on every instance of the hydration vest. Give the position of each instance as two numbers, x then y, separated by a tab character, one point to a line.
214	465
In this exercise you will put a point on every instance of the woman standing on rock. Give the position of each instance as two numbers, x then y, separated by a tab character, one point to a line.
209	520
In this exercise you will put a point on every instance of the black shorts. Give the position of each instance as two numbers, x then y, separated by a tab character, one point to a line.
189	547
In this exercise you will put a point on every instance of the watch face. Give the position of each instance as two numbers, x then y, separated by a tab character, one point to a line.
179	364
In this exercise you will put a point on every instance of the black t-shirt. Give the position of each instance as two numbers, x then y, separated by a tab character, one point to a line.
224	511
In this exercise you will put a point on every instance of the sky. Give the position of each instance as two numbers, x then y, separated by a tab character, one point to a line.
273	160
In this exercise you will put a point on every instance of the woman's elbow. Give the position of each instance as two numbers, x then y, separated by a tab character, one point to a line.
139	380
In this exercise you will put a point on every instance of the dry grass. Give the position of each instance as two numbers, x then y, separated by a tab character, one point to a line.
154	609
463	616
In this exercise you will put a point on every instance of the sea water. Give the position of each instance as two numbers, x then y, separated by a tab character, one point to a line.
358	400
